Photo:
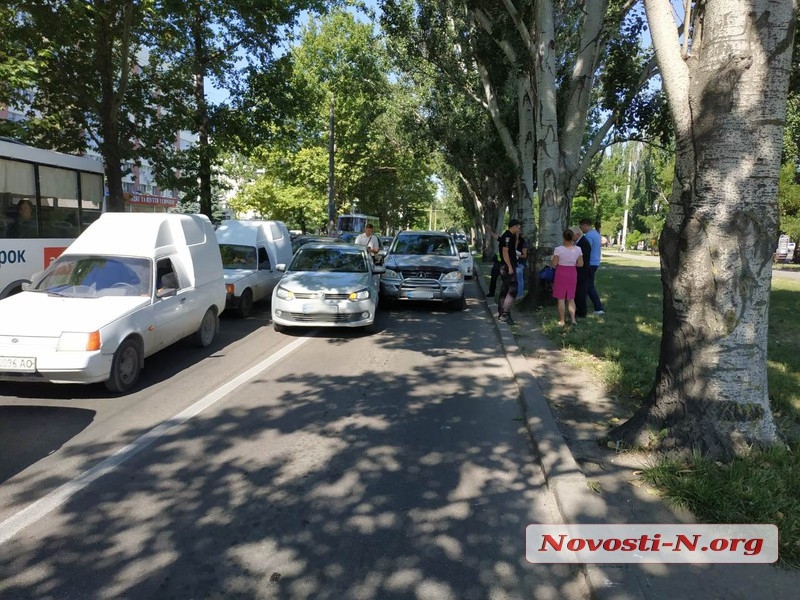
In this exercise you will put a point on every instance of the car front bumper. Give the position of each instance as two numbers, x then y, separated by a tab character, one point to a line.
422	289
61	367
323	313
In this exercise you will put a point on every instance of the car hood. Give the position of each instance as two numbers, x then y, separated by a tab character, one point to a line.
415	261
319	281
39	314
234	275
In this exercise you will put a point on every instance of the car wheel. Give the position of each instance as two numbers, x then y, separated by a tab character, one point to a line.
245	304
459	304
279	328
125	367
209	327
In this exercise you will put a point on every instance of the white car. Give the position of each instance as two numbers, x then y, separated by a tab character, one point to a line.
327	285
94	315
467	262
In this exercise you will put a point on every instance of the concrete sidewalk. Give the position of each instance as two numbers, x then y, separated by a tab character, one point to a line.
567	411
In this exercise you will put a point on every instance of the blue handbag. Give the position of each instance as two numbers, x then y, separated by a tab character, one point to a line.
547	273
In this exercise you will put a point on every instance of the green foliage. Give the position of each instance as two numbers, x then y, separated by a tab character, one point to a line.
789	201
381	165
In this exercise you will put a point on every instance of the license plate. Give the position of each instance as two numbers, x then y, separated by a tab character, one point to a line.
324	308
17	363
421	295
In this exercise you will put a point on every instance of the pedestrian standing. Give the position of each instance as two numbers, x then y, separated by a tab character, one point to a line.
369	239
584	272
497	261
522	259
594	263
508	270
566	260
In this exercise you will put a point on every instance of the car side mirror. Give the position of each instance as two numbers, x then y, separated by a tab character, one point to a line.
280	267
465	255
27	286
379	269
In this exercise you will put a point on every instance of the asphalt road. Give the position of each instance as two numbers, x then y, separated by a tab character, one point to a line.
326	465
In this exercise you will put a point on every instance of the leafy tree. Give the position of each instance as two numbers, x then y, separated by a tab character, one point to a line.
72	63
381	166
192	42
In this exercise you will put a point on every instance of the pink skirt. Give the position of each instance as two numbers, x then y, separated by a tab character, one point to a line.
565	282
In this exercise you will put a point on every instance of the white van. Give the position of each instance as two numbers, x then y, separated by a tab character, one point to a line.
250	252
128	286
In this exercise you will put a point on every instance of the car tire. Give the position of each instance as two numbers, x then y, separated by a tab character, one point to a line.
459	304
278	327
207	332
245	304
126	366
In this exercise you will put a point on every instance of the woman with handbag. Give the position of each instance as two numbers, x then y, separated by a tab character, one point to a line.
566	259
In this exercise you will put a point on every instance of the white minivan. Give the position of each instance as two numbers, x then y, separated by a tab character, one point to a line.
251	250
129	286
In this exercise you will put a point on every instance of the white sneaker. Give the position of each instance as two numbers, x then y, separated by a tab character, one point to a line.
599	312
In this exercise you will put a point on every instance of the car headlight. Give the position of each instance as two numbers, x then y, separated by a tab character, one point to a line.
285	294
78	342
359	295
389	274
453	276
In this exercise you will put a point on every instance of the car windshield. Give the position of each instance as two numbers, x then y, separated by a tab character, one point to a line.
93	276
329	259
238	257
423	243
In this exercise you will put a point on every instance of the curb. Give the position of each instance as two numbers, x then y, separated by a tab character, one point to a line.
575	500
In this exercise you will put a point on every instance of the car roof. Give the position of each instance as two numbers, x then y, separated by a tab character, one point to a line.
424	232
335	246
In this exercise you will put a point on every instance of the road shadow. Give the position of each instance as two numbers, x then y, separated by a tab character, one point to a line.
29	433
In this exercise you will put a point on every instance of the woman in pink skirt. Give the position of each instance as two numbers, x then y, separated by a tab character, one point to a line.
566	259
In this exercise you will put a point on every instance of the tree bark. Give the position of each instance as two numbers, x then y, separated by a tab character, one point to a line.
727	98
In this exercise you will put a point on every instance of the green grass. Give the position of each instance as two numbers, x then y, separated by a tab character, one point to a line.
622	346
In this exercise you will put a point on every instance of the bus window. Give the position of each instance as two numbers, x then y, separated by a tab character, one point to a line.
91	198
17	185
59	202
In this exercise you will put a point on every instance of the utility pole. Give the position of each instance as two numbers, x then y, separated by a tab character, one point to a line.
331	189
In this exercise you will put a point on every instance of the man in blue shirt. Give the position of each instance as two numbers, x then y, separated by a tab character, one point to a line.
593	236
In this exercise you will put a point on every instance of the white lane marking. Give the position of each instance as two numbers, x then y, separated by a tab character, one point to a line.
33	512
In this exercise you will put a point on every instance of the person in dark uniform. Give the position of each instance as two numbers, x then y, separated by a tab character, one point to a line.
584	272
508	270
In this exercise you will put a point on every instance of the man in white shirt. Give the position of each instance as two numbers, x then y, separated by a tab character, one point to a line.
369	239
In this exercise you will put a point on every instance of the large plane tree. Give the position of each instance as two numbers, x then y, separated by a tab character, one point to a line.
726	81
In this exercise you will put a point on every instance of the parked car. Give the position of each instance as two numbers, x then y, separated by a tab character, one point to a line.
250	251
424	265
128	286
314	239
467	262
327	285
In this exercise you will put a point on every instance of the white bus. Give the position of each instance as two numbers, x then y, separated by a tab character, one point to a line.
46	199
355	223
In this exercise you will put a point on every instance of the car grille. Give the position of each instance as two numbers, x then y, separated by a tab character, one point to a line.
325	318
316	295
421	274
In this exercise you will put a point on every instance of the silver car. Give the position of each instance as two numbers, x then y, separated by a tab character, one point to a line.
327	285
424	265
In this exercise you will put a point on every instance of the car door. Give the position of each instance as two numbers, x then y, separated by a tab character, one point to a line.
170	309
267	271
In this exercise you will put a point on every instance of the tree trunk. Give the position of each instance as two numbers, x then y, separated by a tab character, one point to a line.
553	205
201	118
728	98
